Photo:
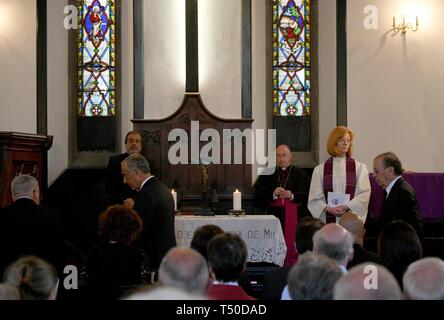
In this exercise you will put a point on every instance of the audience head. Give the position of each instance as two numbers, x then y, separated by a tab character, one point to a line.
386	167
335	242
186	269
353	224
202	236
133	142
163	293
135	169
8	293
398	247
313	277
424	280
367	281
340	142
120	224
25	185
227	257
35	278
305	230
283	156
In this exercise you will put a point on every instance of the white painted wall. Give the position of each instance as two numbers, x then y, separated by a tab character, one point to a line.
57	89
327	73
164	54
220	71
18	85
395	85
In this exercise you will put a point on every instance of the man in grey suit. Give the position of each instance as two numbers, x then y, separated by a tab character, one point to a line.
155	205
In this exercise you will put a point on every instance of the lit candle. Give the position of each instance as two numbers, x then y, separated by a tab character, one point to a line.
237	200
174	194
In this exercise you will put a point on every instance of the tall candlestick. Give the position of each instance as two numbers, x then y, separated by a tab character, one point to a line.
174	194
237	200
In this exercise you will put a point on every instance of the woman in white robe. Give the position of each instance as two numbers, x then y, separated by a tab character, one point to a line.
339	146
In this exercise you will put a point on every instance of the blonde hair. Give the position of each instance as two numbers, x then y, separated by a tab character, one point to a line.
336	134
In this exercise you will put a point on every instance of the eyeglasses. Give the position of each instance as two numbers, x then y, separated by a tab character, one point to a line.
378	170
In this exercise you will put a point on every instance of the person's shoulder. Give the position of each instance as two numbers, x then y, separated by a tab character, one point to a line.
118	157
299	171
403	186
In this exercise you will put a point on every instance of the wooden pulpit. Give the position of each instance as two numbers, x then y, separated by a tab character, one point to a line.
22	153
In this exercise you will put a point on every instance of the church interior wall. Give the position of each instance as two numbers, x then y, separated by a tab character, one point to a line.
57	89
18	66
394	82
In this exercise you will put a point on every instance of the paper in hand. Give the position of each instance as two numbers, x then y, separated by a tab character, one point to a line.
337	198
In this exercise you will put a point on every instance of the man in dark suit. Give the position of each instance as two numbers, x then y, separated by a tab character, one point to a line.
26	228
120	193
400	198
155	205
353	224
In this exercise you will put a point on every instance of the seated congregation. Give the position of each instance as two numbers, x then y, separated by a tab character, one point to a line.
136	257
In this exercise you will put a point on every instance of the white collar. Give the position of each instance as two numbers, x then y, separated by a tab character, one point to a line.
229	283
24	197
390	186
343	269
145	181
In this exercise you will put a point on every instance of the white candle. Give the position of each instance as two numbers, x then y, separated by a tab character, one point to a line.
174	194
237	200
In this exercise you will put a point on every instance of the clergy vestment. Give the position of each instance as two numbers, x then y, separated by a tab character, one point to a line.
297	181
359	204
293	178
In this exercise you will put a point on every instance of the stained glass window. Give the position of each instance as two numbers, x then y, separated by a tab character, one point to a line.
291	57
96	58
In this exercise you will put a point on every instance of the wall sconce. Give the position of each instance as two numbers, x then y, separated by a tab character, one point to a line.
404	26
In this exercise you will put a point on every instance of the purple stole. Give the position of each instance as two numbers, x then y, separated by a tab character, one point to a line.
350	173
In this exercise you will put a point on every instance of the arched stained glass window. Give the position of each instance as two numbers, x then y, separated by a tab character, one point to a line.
96	58
291	57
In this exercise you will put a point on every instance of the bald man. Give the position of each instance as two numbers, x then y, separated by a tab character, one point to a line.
335	242
185	268
287	182
424	280
367	281
353	224
332	241
285	191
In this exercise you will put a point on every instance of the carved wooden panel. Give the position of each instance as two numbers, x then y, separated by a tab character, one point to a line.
187	178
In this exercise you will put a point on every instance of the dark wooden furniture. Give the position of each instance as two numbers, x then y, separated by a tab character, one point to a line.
22	153
187	178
